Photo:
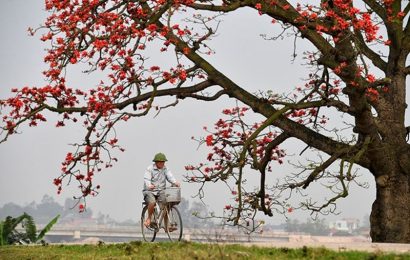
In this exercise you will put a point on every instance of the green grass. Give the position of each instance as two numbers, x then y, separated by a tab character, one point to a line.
184	250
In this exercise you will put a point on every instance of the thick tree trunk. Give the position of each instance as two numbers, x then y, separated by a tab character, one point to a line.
390	161
390	217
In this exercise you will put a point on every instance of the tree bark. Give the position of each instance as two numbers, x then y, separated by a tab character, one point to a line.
390	216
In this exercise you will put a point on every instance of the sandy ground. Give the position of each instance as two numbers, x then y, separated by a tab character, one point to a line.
343	246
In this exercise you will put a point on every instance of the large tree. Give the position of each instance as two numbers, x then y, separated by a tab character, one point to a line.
357	67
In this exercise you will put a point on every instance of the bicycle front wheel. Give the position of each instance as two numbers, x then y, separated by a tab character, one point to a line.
174	226
148	233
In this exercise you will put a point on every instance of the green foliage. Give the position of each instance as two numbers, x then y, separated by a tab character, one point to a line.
30	227
2	240
47	228
9	235
183	250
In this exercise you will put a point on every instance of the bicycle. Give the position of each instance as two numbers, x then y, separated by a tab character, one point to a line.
166	217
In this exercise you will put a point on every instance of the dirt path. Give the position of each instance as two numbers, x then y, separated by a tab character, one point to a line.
338	246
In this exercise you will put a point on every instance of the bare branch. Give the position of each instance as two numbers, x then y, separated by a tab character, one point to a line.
313	176
262	169
204	97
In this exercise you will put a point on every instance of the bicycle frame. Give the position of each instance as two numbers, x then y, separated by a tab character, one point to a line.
166	216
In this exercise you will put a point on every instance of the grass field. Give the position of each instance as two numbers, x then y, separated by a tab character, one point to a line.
176	251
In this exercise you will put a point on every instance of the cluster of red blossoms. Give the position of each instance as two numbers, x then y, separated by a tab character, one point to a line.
346	17
113	36
226	139
337	19
101	34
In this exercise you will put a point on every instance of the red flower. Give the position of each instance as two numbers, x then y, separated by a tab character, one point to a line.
189	168
57	182
371	78
227	111
99	44
182	75
401	14
290	210
88	149
60	123
73	60
209	140
152	27
113	141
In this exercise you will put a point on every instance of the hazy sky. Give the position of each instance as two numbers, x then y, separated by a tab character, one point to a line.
30	161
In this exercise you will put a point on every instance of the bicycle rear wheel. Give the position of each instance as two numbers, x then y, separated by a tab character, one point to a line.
149	233
175	228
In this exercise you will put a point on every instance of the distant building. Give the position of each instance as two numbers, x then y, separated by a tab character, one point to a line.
348	225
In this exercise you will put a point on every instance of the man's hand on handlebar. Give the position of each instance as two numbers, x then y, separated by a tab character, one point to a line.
151	186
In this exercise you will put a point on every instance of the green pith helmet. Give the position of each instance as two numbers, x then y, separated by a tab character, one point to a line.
160	157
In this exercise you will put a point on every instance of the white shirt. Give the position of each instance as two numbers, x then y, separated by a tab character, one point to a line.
157	177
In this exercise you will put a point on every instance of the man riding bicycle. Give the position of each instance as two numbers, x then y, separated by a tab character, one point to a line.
155	178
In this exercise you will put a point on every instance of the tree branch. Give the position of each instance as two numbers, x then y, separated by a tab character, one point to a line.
25	118
369	53
294	129
268	150
377	8
406	39
221	8
202	97
406	10
181	91
313	175
407	70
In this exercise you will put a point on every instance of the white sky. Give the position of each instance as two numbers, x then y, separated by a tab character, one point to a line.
30	161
